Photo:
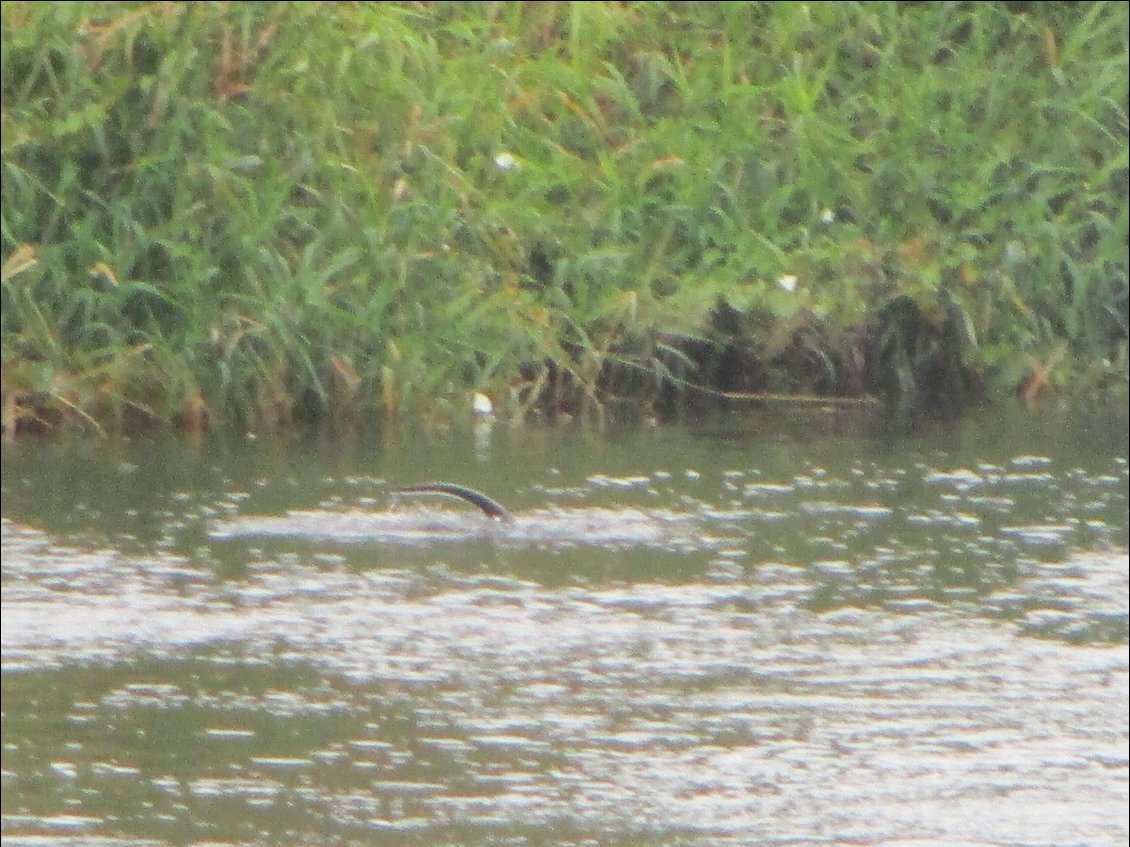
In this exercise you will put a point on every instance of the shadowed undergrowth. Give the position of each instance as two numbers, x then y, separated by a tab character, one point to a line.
258	214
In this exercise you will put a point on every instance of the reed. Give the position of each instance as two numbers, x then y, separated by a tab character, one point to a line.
264	214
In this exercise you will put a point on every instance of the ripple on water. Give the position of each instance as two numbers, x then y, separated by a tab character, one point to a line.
553	527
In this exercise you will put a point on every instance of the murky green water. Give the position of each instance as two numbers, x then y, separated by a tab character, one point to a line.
734	633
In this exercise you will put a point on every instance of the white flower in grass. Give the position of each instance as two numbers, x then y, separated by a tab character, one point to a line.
787	282
506	161
827	217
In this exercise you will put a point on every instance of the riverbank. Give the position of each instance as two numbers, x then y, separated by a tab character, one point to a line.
257	215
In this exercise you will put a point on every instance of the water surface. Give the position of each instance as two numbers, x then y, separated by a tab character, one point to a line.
738	632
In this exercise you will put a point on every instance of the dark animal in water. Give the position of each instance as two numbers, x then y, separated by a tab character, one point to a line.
490	507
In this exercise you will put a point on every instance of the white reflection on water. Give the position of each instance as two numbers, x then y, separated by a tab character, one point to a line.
723	711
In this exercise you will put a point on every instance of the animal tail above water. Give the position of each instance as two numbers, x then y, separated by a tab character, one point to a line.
488	505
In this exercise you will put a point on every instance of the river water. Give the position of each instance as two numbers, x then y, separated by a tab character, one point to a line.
812	630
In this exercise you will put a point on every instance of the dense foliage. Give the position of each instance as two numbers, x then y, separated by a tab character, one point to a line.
258	212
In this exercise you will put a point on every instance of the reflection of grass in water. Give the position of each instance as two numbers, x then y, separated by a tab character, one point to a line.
217	213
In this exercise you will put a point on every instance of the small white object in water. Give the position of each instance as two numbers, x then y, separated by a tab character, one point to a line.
482	405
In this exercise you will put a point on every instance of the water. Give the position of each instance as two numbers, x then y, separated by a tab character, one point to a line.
785	633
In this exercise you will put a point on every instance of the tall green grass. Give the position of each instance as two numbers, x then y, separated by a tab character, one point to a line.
263	213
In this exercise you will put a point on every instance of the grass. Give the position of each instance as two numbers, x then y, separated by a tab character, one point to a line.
261	214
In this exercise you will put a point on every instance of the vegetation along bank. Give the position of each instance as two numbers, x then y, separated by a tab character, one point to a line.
262	214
